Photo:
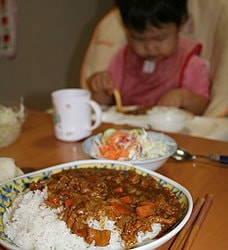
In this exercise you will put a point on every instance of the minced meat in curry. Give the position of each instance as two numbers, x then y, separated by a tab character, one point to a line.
133	201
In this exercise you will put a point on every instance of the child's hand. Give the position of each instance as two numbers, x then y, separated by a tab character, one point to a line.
101	81
101	85
171	98
184	98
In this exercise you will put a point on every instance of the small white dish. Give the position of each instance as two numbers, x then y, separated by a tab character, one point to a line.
202	126
168	119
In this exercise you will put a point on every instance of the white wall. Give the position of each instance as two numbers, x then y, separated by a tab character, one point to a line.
52	38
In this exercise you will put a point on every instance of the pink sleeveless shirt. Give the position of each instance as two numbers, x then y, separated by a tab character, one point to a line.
183	69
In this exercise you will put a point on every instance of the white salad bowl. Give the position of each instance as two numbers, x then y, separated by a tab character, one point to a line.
12	187
12	117
91	147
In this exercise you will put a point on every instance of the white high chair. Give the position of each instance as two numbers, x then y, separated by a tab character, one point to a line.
208	24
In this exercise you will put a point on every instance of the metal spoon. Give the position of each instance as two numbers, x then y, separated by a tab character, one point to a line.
182	155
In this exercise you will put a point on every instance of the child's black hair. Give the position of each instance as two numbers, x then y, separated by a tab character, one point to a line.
136	14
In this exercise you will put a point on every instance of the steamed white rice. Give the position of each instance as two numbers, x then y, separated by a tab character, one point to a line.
30	224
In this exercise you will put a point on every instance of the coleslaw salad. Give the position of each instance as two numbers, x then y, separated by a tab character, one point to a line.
131	145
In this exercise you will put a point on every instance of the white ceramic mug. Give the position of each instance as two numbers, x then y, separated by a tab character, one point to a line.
72	114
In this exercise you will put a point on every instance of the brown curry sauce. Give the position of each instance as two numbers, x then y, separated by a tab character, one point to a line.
133	201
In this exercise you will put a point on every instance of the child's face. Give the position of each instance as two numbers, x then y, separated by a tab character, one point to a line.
155	44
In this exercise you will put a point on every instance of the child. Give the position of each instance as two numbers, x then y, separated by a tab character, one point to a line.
157	66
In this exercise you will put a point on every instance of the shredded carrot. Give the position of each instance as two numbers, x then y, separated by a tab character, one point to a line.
115	147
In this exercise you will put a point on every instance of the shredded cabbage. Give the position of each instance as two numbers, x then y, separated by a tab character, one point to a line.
11	119
9	115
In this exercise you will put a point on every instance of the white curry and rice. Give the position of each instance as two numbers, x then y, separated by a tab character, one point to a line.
97	209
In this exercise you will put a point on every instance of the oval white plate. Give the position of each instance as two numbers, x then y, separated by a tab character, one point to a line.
14	186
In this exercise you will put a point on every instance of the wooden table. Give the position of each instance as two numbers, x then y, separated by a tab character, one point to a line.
37	148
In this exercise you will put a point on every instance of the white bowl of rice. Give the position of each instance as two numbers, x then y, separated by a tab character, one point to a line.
28	219
168	119
146	148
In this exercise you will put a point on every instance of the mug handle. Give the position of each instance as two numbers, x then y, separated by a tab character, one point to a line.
98	114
